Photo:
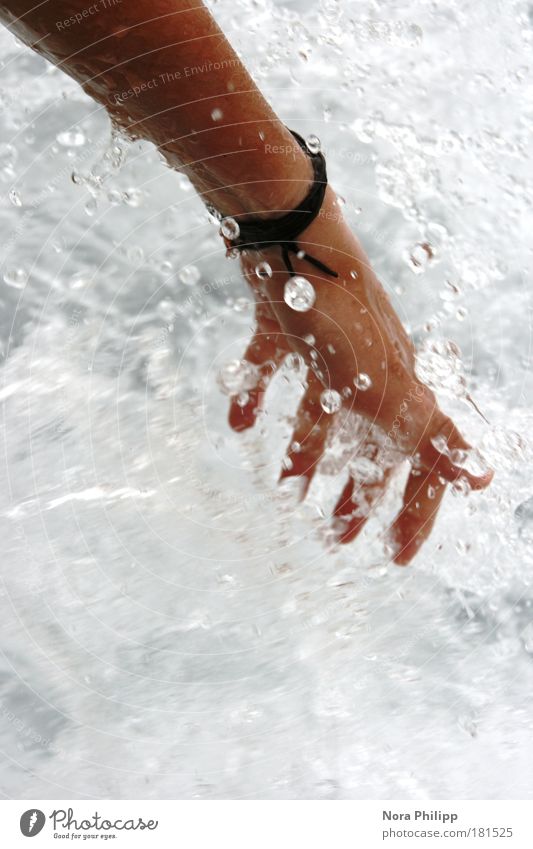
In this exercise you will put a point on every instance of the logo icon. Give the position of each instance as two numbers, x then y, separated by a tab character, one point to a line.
32	822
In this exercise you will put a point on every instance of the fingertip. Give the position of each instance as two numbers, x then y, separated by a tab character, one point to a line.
403	550
481	481
241	418
303	478
351	530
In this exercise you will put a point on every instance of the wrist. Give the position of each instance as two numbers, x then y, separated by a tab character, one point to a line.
269	177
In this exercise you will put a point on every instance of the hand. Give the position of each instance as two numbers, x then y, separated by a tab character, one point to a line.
354	344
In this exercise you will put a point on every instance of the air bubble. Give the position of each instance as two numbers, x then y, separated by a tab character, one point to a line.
216	114
299	294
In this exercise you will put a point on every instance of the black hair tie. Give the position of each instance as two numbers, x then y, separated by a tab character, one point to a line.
260	233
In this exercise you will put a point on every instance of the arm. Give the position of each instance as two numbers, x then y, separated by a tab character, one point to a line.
143	60
133	58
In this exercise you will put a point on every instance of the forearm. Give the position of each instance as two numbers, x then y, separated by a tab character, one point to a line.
166	73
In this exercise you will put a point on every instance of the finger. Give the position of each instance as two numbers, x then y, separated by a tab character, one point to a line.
309	436
356	504
448	453
266	350
421	501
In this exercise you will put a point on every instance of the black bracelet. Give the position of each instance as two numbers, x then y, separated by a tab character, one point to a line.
261	233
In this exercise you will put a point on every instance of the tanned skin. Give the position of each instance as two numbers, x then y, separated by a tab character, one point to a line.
217	128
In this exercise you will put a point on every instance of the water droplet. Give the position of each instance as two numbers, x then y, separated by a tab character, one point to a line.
299	294
440	443
362	381
216	114
71	138
114	197
90	207
80	280
353	275
330	401
263	271
242	304
236	376
136	255
189	275
16	277
331	9
166	309
527	637
418	258
294	362
309	339
14	197
229	228
313	144
133	197
8	157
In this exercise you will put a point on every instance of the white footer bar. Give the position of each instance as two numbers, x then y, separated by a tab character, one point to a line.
268	825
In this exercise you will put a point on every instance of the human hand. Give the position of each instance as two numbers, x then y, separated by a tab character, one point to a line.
360	360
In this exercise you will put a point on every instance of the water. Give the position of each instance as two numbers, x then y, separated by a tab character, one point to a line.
174	624
299	294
